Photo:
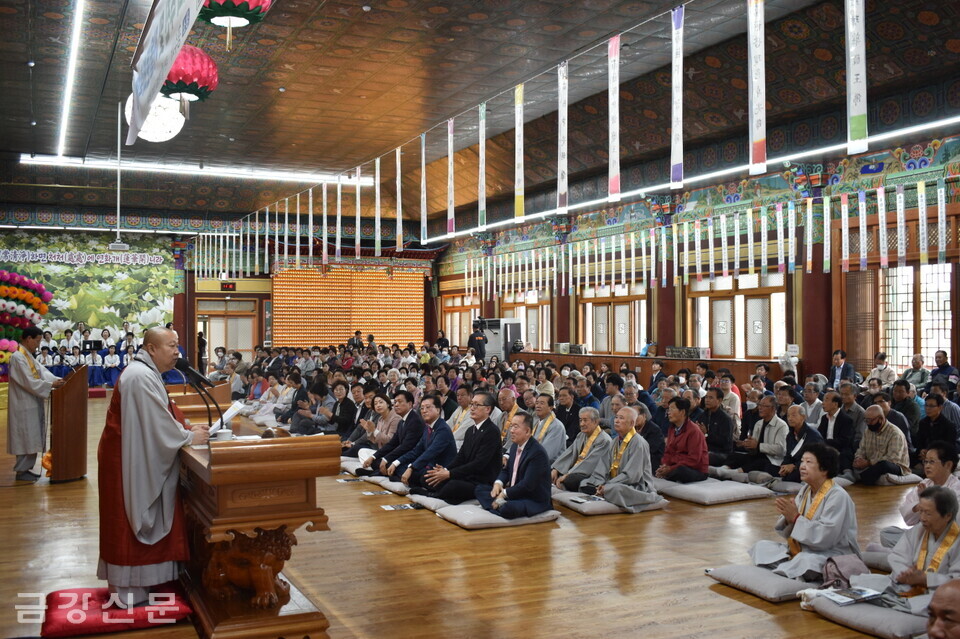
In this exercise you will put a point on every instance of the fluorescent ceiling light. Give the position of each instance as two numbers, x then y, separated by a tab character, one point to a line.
71	75
743	168
38	228
153	167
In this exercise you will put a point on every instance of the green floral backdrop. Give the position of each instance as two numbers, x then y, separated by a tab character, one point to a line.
93	285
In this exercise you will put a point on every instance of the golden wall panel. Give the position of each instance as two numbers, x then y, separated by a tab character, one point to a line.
311	308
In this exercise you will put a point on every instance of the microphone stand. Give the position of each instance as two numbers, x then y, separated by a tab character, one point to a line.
199	389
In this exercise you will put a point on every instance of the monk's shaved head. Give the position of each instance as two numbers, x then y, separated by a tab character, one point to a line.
161	343
156	335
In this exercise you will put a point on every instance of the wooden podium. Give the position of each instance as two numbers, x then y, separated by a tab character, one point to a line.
68	428
244	501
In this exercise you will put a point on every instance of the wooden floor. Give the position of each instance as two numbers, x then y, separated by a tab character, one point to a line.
409	574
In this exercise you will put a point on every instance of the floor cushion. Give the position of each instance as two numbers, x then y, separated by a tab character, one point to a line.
898	480
711	491
871	619
79	611
474	517
877	559
433	504
350	464
781	486
760	582
375	479
595	506
397	487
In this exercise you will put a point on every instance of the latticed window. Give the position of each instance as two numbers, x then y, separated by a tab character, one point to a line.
915	312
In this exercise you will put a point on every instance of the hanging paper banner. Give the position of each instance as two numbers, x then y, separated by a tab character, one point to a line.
633	258
399	220
685	248
827	235
756	69
324	251
286	232
750	242
643	260
266	241
764	244
736	245
676	256
942	238
781	266
482	171
808	238
613	120
256	245
310	224
336	247
356	233
602	259
467	280
856	76
862	213
922	237
623	261
697	263
844	233
451	205
376	207
711	263
562	89
791	237
518	151
901	227
570	283
578	249
882	227
296	230
423	188
597	265
613	263
653	258
663	256
276	236
724	264
676	81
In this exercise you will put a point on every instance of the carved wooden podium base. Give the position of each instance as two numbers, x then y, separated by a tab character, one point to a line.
233	618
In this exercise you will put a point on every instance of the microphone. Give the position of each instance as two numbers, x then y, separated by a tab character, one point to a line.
184	367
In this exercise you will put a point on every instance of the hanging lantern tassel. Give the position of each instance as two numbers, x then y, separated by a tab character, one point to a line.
184	106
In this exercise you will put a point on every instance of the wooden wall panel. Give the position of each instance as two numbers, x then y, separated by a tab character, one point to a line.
310	307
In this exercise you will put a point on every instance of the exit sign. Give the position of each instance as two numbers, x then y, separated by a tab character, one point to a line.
228	286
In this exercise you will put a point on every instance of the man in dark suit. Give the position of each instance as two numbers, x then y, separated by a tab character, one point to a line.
837	429
523	487
840	371
356	341
436	446
477	462
408	433
657	375
568	413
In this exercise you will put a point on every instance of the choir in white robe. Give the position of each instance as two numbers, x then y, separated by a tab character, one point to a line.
832	531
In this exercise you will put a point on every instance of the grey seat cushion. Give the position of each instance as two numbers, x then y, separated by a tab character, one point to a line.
475	517
433	504
760	582
871	619
711	491
898	480
595	506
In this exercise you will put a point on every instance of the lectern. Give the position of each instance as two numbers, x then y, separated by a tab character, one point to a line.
244	500
68	428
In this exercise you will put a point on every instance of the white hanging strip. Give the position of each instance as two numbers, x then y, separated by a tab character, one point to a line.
764	243
750	242
613	119
676	85
809	236
399	220
736	245
663	256
942	238
310	226
901	227
862	213
643	260
882	227
451	200
423	188
562	102
377	248
676	254
296	230
724	263
623	262
597	265
756	73
653	257
286	232
336	247
711	262
922	237
698	264
266	241
856	76
844	233
826	234
466	280
324	249
685	247
356	233
633	258
482	170
781	265
276	237
602	260
791	237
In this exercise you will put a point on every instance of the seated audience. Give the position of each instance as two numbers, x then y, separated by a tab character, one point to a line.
882	370
764	444
819	523
405	438
917	374
935	426
685	459
435	448
652	434
717	427
800	437
939	464
883	449
836	428
586	458
523	487
944	372
460	421
547	429
943	612
380	427
568	413
626	477
812	406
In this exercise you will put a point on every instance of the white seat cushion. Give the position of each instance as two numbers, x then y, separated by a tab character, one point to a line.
349	464
898	480
760	582
397	487
711	491
433	504
590	506
475	517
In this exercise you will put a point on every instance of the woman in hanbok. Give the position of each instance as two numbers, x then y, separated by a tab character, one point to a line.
821	522
94	363
111	366
127	356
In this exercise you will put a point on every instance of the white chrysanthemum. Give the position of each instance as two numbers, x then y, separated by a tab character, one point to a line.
60	304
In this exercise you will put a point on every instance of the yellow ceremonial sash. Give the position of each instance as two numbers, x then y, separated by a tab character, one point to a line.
506	422
463	413
30	363
586	447
615	466
545	426
948	540
793	544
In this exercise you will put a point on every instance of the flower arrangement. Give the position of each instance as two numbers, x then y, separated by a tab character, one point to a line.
23	303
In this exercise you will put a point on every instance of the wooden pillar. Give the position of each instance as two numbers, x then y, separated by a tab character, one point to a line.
664	330
817	308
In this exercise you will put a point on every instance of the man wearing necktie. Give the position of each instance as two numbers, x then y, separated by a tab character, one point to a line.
405	438
523	487
436	446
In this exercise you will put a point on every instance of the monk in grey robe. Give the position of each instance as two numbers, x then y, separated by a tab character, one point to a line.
30	385
586	458
547	429
628	478
821	522
142	531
